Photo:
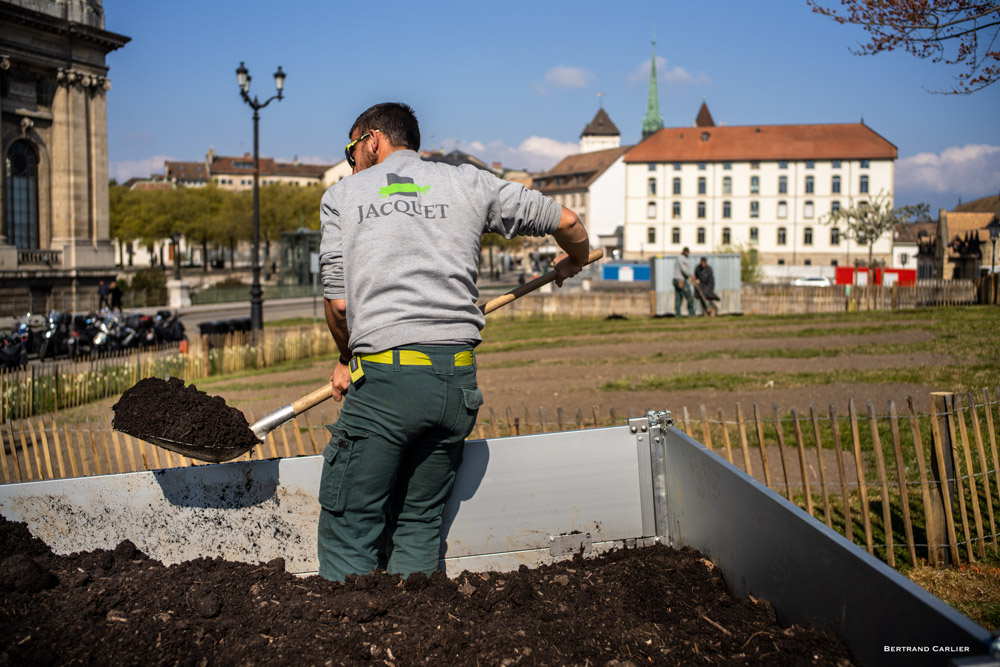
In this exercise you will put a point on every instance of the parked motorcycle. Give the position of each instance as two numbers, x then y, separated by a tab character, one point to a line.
56	336
81	335
168	326
13	351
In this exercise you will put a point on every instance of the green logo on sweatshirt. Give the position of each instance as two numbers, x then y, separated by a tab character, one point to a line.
402	188
401	185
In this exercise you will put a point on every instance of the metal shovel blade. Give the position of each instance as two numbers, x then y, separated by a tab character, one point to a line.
201	453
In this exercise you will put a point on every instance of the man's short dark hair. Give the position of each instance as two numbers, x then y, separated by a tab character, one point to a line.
395	120
685	250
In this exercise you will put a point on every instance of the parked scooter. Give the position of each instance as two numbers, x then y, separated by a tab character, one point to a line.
81	335
13	351
168	326
56	336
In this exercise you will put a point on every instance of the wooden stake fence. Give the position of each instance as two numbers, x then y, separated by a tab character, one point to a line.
909	500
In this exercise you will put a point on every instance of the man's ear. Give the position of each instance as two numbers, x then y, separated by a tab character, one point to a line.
375	138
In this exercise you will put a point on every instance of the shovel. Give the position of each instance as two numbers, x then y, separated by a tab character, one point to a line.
281	416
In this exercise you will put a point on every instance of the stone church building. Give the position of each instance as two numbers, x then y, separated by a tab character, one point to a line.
54	238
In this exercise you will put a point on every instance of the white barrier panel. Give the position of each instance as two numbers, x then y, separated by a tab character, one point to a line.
521	500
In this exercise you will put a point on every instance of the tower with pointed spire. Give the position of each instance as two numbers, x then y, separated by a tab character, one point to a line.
653	121
601	133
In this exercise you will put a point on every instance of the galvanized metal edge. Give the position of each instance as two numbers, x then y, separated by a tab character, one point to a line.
768	547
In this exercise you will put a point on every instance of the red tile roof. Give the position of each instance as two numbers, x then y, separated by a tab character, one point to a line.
832	141
268	167
575	172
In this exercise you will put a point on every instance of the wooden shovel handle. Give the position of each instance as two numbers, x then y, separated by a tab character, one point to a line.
312	399
521	290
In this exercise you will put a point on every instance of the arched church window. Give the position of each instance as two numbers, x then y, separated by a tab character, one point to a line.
21	195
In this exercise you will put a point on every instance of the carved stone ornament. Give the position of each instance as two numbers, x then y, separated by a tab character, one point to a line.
68	77
26	126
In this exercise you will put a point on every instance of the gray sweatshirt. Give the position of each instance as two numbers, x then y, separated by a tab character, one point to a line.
401	244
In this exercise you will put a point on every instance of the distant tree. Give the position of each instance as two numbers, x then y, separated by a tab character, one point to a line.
956	32
750	271
867	222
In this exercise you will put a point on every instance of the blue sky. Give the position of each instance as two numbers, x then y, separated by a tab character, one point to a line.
517	81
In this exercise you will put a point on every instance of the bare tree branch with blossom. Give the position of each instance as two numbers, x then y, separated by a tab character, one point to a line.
956	32
867	222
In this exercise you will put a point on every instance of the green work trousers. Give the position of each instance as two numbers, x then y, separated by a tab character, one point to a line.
682	292
391	464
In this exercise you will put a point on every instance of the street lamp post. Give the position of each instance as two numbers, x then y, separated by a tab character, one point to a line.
256	293
177	255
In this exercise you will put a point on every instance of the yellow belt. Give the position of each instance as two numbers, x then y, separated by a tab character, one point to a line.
415	358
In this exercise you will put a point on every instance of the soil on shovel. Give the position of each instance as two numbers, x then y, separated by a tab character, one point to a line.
168	409
651	605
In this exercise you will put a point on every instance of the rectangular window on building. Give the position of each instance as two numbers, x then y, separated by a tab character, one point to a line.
677	186
835	164
727	185
677	166
863	185
782	236
807	236
864	164
702	185
651	187
835	185
702	166
677	210
862	239
675	235
807	210
727	165
701	235
727	210
834	206
755	165
701	209
651	210
808	262
782	209
755	185
652	166
651	235
782	185
810	164
810	185
754	234
727	236
755	209
781	262
833	262
782	164
834	236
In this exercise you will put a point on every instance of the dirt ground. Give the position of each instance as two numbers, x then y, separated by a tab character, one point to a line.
652	605
572	377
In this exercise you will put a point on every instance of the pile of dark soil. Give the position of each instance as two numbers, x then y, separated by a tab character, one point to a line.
168	409
652	605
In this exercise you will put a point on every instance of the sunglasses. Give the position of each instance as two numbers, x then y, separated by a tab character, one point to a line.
349	149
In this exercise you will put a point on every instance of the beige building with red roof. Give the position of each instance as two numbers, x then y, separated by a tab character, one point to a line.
236	173
592	182
708	187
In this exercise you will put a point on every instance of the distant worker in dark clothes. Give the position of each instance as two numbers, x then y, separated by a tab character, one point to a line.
103	291
116	296
704	287
682	286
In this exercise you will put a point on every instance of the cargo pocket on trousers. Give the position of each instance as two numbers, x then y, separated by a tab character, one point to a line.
473	399
339	459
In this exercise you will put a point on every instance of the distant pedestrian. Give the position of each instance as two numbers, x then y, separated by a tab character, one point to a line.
704	287
682	286
103	291
116	296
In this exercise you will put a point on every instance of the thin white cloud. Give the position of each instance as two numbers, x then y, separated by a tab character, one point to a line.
539	88
123	170
534	153
969	171
564	76
676	76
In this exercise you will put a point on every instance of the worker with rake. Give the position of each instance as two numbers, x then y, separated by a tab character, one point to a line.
399	258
